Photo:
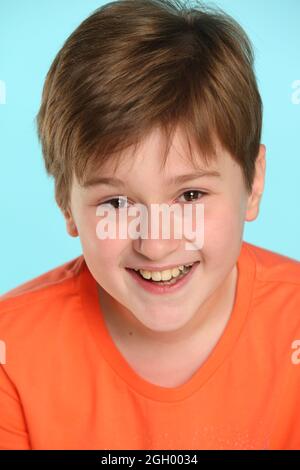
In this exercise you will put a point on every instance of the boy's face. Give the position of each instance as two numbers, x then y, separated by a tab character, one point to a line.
227	205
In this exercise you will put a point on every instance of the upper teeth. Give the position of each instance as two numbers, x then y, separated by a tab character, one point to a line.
165	275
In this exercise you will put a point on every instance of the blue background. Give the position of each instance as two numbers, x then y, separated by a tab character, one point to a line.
33	236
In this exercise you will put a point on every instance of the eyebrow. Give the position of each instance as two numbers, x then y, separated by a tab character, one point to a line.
173	181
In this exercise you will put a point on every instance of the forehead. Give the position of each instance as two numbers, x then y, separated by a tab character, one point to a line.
155	155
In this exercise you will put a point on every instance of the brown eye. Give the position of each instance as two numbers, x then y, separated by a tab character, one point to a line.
192	195
116	202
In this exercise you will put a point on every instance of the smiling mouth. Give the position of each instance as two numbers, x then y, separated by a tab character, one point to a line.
170	282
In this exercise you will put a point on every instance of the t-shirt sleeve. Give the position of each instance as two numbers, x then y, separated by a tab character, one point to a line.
13	431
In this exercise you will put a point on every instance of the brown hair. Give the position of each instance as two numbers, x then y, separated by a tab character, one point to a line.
137	64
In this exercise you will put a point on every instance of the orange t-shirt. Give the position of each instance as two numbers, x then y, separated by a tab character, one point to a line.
65	384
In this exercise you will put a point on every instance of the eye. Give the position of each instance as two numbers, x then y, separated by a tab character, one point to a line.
192	195
121	201
115	202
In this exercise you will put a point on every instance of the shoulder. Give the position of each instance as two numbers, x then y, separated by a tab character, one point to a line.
44	283
39	301
274	267
275	303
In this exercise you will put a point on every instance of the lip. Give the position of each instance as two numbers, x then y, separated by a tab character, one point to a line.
159	289
160	268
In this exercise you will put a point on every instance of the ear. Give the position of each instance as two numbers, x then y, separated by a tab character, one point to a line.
258	185
70	223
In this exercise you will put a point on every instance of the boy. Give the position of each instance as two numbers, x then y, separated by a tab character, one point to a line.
140	342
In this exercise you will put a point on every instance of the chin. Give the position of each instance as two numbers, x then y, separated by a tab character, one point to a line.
164	323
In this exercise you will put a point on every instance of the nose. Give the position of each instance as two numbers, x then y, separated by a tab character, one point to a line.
156	249
158	243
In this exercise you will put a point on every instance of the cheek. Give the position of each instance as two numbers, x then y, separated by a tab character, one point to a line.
104	258
100	252
87	232
223	227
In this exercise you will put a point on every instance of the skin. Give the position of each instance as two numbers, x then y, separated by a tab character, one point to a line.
163	335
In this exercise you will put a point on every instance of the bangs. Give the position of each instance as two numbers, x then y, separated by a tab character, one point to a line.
137	65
